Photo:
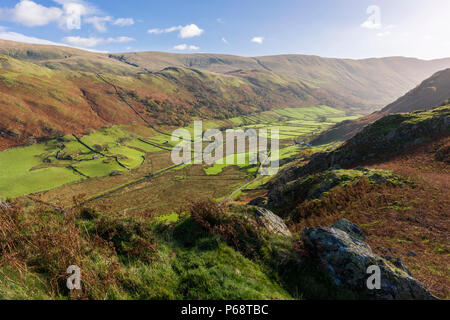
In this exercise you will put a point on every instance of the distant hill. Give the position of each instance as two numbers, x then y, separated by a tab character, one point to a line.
48	91
431	93
352	84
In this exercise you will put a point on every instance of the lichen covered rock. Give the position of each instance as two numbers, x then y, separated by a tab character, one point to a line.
347	259
351	228
271	222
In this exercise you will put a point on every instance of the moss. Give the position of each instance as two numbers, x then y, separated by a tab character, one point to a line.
318	185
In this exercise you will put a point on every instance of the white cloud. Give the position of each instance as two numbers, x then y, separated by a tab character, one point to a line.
123	22
220	20
368	24
68	15
74	10
224	40
83	42
99	23
120	40
94	41
31	14
183	47
188	31
258	40
14	36
160	31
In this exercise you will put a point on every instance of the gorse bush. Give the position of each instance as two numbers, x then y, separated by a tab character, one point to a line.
236	229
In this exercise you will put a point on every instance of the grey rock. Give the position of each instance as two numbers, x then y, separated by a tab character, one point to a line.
398	263
411	254
346	260
259	202
270	221
351	228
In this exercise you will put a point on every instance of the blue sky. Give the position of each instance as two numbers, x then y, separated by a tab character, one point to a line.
330	28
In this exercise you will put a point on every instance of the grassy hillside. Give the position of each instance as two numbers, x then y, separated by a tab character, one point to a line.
50	91
379	141
360	84
392	179
39	103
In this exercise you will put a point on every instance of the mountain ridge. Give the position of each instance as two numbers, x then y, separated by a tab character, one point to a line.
49	91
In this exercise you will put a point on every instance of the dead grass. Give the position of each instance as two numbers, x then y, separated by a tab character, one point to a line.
398	220
47	243
214	219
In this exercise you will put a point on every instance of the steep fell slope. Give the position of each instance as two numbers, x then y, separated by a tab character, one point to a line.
392	179
359	84
429	94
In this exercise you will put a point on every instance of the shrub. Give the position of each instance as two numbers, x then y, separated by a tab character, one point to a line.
237	230
131	238
48	243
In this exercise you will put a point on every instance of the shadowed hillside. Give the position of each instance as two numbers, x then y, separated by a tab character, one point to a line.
429	94
392	179
362	84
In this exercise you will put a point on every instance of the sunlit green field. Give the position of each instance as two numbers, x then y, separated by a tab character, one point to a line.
19	172
116	150
45	166
292	124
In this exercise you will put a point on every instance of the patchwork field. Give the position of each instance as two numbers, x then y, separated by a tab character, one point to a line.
134	161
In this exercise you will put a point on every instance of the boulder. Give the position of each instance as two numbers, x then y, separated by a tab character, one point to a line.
271	222
347	259
259	202
351	228
411	254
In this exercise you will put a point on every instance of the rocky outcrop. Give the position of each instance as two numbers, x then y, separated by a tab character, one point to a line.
271	222
346	259
314	186
351	228
381	140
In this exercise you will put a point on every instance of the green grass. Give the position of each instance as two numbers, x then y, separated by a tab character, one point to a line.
99	167
230	161
173	217
131	158
35	168
22	286
135	143
18	178
210	270
106	137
